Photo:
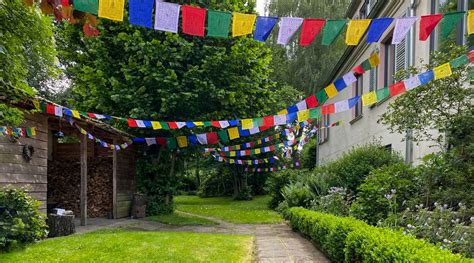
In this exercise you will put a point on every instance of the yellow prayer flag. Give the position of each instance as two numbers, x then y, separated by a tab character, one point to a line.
374	60
442	71
237	147
277	136
76	114
83	131
242	24
232	154
282	112
303	115
331	90
182	141
198	123
257	151
37	104
470	22
247	124
369	98
156	125
33	131
355	30
231	161
233	133
111	9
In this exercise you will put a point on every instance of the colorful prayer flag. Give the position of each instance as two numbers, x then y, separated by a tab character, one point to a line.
470	22
331	90
310	30
76	114
155	125
402	26
242	24
140	12
166	16
449	22
303	115
193	20
442	71
340	84
279	119
355	30
311	102
341	106
321	96
285	111
264	27
223	136
288	27
331	30
111	9
328	109
132	123
374	60
233	133
218	23
202	138
170	142
397	88
459	61
426	77
349	78
247	124
315	113
212	138
301	105
382	94
427	24
369	98
182	141
353	101
88	6
377	28
412	83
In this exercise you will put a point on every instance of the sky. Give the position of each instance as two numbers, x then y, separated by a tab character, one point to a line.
261	6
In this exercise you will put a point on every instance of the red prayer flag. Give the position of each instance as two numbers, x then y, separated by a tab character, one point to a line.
212	138
397	88
358	70
311	102
161	141
328	109
247	152
89	30
173	125
194	20
252	144
264	128
50	109
132	123
310	30
427	24
64	2
216	124
222	153
470	56
268	121
92	115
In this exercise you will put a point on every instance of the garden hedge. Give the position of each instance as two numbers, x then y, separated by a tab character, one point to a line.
346	239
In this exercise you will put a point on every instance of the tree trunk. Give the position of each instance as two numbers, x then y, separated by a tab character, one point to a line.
61	225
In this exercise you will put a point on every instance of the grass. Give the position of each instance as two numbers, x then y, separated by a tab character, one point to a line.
178	218
128	246
225	208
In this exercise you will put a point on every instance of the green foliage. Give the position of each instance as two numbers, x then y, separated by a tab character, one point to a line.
216	182
230	210
431	106
275	184
26	54
20	221
296	194
335	202
389	189
345	239
137	246
353	166
374	244
308	155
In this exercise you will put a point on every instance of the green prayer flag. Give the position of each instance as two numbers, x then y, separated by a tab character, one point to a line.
321	96
171	142
252	151
382	94
449	22
331	30
460	61
315	113
218	23
164	125
43	107
223	136
28	132
258	122
88	6
366	65
207	123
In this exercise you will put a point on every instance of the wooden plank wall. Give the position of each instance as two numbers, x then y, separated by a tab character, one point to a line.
126	171
16	171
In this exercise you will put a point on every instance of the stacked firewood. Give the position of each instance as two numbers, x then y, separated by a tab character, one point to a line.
64	185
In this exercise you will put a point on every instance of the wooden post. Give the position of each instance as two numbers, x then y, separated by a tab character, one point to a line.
114	181
83	179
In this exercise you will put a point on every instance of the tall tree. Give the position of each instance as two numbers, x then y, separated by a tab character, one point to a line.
27	55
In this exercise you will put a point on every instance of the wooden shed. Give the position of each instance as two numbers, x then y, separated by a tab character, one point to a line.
72	172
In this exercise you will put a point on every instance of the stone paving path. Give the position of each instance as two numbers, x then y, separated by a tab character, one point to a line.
274	242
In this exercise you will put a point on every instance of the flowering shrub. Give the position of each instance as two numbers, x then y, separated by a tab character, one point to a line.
335	202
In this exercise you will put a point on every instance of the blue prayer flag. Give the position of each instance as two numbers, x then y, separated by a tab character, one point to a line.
192	139
353	101
233	122
292	109
237	153
190	124
426	77
68	112
243	133
264	27
136	140
340	84
377	27
147	123
290	117
141	12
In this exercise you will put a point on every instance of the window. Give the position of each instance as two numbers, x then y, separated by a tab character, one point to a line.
359	89
366	7
396	58
323	133
373	78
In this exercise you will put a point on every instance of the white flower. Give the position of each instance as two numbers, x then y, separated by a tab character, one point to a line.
436	203
445	206
393	191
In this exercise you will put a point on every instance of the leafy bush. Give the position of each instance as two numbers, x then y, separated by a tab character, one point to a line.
375	244
296	194
217	182
275	184
335	202
20	221
385	190
346	239
350	170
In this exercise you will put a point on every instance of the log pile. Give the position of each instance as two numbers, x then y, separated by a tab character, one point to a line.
64	186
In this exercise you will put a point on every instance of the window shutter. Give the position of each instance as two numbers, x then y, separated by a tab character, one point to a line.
401	55
373	79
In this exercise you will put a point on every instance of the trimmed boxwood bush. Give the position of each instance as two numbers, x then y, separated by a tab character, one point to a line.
346	239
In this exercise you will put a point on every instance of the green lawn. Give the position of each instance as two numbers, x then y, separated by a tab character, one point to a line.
178	218
125	246
241	212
